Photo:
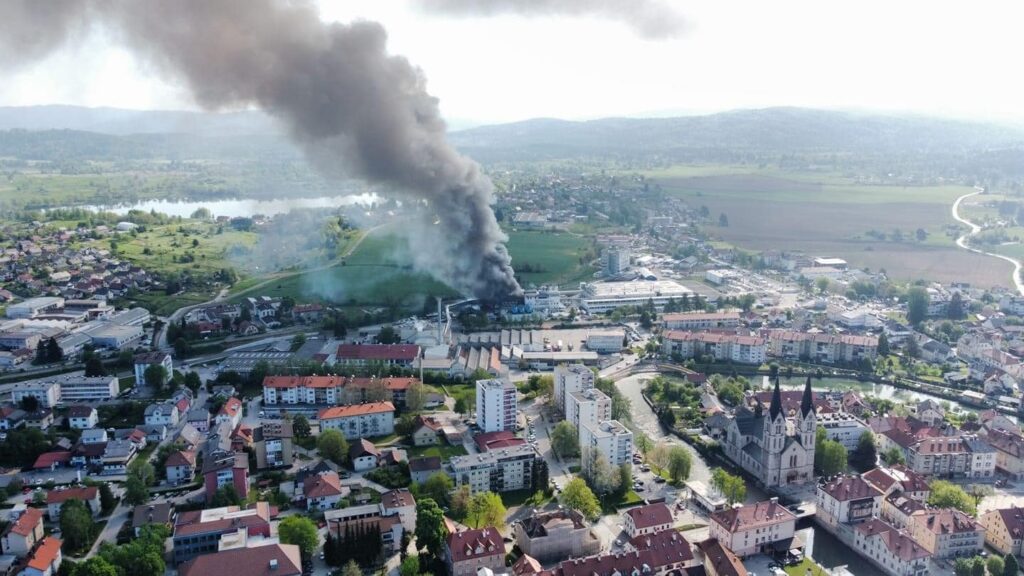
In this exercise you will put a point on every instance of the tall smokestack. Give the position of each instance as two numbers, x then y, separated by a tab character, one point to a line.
440	325
353	108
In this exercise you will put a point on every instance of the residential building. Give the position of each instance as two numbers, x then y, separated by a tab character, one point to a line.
90	495
468	551
496	405
199	532
899	479
554	534
400	502
48	393
700	320
147	359
389	527
45	560
965	456
422	468
498	470
199	418
81	417
88	389
589	406
164	413
568	379
753	528
948	533
24	530
610	438
270	559
901	510
323	491
180	467
118	454
272	444
822	348
1009	449
647	519
11	417
722	347
426	431
377	354
718	560
361	420
930	412
843	428
230	412
847	500
1004	529
312	390
225	468
363	455
155	514
890	549
666	551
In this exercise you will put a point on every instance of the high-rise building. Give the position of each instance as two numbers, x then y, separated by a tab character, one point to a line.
612	440
589	406
496	405
616	260
568	379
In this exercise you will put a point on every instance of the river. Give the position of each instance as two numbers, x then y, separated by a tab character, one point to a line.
884	391
962	241
239	208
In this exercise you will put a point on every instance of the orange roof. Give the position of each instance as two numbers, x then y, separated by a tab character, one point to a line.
27	522
45	554
231	407
304	381
83	493
355	410
48	459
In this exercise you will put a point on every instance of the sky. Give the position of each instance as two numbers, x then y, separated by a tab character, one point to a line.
939	58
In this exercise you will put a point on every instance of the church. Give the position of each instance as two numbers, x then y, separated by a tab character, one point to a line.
775	446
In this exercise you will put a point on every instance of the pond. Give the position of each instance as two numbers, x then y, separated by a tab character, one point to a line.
240	208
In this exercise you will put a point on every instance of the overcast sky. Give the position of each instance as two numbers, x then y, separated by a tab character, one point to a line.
941	58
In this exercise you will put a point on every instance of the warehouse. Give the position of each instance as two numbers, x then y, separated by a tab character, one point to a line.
600	297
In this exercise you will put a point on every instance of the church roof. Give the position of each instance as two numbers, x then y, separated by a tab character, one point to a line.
807	402
775	409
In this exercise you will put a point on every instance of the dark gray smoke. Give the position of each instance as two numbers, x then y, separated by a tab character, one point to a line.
351	106
648	18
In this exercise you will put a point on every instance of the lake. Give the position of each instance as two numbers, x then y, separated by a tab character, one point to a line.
240	208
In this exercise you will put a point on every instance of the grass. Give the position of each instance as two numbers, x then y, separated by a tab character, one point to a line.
160	248
125	383
162	304
555	257
630	498
444	451
805	567
688	527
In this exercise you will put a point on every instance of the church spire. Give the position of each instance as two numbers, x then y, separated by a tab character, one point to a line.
807	402
776	406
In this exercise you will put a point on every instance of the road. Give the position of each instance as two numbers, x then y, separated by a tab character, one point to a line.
975	229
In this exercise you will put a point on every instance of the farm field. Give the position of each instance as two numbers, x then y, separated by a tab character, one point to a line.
554	257
834	217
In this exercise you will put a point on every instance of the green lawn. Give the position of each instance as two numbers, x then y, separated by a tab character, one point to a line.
804	568
611	505
162	305
444	451
553	257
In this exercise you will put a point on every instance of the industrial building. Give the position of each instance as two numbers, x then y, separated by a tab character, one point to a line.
601	297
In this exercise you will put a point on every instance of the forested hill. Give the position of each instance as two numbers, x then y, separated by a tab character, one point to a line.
119	121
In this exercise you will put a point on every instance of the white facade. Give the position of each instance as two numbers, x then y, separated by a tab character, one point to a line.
81	388
568	379
598	298
497	470
165	414
843	428
84	422
605	342
33	307
496	405
360	421
48	393
140	366
614	441
590	407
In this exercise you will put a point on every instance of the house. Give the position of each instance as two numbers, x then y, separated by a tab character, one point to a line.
1004	529
231	412
118	454
164	413
666	551
271	559
930	412
41	419
948	533
147	359
52	460
11	417
753	528
401	502
360	420
425	431
157	513
94	436
199	418
81	417
501	470
180	467
422	468
24	531
647	519
225	468
890	549
901	511
719	560
90	495
45	560
848	500
323	491
1009	449
199	531
363	455
555	534
468	551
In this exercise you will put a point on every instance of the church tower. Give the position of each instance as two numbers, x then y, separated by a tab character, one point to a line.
807	420
775	424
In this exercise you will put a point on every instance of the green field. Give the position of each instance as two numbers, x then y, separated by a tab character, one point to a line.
829	215
188	246
554	257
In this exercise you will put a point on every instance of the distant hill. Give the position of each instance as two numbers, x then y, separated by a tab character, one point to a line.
121	122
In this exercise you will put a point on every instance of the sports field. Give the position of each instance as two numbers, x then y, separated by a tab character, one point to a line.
871	226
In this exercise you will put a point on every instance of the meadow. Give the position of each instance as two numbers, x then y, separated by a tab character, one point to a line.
550	257
829	215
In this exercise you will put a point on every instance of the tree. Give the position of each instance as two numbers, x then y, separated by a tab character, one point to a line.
883	345
893	456
351	569
192	381
226	496
565	440
107	500
723	220
955	308
460	501
486	509
76	524
1010	565
679	464
865	456
625	477
135	491
821	284
415	397
598	473
298	341
996	566
913	349
94	367
155	376
410	566
917	305
300	426
578	496
332	445
437	487
833	458
300	531
945	494
388	335
430	528
95	566
963	566
732	487
979	566
29	404
460	406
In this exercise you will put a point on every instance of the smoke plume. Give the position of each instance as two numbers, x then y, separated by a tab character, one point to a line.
652	19
352	107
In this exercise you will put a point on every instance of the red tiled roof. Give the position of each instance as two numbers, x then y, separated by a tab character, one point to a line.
303	381
83	493
668	546
398	498
231	407
526	565
1013	519
400	352
721	559
495	440
948	521
650	515
46	459
27	522
898	543
45	554
846	488
355	410
322	485
748	516
712	337
475	543
255	561
361	447
181	458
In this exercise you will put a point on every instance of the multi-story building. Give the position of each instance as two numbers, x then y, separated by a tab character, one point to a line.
501	470
254	558
225	468
162	414
890	549
843	428
589	407
965	456
822	348
616	260
601	297
610	438
496	405
24	530
1009	449
847	500
360	420
82	417
311	390
87	389
899	479
56	498
647	519
554	534
147	359
1004	530
468	551
180	467
323	491
569	378
738	348
948	533
753	528
700	320
400	502
45	560
272	444
199	532
46	392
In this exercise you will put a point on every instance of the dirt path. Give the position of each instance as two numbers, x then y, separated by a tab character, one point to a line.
975	229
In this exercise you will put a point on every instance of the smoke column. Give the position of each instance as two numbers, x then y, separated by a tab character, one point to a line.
352	107
653	19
